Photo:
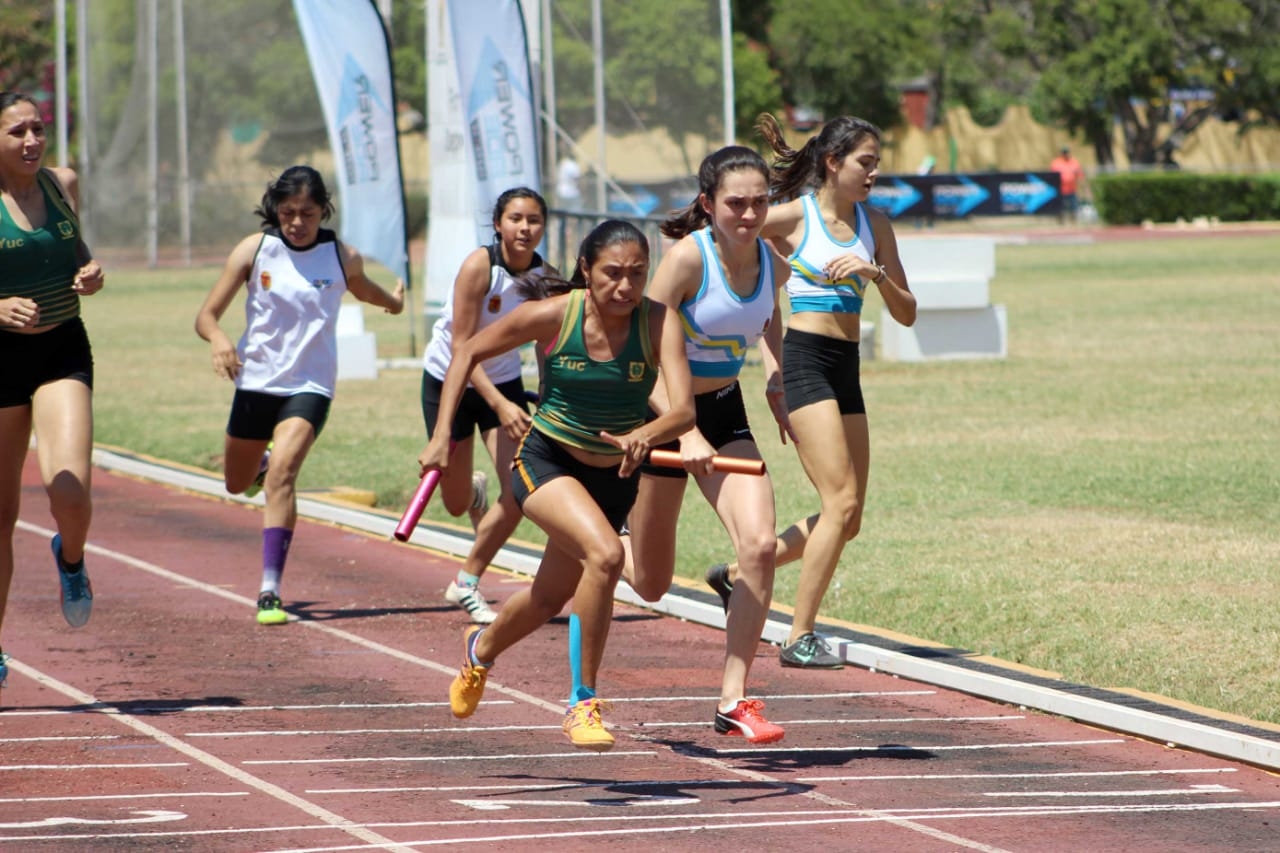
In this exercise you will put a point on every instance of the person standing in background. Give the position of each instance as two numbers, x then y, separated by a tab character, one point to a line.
47	381
1070	175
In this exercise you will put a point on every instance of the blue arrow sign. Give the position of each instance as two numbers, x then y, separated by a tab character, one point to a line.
1026	196
895	198
959	198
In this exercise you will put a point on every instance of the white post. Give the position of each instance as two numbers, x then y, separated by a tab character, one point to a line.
184	158
726	61
153	122
597	48
60	80
84	130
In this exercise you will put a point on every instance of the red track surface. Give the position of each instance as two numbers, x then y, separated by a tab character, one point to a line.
174	721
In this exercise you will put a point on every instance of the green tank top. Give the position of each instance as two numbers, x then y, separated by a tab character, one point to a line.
41	264
583	397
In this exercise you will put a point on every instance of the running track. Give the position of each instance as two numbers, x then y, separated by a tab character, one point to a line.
174	721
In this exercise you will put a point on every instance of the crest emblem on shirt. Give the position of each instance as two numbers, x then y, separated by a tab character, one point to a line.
635	371
265	280
495	303
66	229
321	283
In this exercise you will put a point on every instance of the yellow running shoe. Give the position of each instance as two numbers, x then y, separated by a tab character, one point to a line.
468	684
583	725
270	610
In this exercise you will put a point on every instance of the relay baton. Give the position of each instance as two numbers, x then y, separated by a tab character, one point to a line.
724	464
417	504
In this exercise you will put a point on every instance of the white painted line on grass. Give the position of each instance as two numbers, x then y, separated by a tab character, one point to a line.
320	813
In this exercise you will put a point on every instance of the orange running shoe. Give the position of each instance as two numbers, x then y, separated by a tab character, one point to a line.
745	720
468	684
583	725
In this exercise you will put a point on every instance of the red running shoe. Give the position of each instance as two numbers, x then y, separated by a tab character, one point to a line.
746	721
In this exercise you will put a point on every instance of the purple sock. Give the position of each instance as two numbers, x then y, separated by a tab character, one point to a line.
275	550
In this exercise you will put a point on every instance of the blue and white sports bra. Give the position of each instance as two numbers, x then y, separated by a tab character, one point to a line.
719	325
808	288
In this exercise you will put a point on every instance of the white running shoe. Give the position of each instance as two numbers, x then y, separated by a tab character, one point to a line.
470	599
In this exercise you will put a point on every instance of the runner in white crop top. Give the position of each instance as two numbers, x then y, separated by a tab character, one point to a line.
720	325
809	288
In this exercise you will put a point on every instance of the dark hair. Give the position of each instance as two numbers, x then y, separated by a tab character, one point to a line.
8	99
796	171
508	196
611	232
292	181
715	166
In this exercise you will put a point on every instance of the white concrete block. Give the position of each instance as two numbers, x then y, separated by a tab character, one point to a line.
956	292
357	349
943	258
958	333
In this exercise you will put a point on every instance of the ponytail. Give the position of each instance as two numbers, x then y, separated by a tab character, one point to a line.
794	171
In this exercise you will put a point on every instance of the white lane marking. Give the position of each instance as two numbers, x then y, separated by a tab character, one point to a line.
716	698
336	732
95	797
148	765
224	709
147	816
1149	792
212	762
1057	775
890	748
511	756
58	738
630	802
354	639
561	786
847	722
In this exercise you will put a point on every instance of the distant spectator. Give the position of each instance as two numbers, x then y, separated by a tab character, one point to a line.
408	119
1071	174
568	176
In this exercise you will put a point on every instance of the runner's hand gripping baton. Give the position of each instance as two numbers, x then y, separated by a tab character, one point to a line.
724	464
417	504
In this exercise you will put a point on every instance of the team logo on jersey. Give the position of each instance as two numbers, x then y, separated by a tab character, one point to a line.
766	325
565	362
495	303
66	229
321	283
265	280
635	371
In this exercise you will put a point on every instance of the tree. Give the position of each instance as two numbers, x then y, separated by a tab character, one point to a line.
26	42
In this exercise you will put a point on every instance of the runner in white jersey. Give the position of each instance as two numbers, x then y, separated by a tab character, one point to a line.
723	280
489	286
285	366
836	245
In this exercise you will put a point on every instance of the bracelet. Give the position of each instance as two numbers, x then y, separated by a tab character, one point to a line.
880	276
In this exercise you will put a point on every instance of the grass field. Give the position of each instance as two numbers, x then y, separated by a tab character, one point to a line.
1105	503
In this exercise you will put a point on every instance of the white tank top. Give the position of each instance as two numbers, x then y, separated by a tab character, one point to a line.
290	341
501	299
719	325
809	289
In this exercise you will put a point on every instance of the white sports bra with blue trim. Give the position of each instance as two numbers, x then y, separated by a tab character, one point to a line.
719	325
808	288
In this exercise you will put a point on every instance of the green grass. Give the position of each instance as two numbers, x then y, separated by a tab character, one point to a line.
1105	503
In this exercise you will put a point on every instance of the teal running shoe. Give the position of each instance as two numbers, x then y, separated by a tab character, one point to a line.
77	594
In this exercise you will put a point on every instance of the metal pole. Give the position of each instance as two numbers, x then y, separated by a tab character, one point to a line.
184	156
60	80
153	121
549	91
84	129
726	61
597	49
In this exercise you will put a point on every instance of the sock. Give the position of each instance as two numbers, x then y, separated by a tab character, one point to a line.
582	693
69	568
577	689
723	710
466	579
471	651
275	550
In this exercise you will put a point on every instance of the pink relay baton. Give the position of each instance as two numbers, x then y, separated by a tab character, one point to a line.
417	504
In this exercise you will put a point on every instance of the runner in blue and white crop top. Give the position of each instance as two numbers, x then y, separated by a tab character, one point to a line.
808	288
719	325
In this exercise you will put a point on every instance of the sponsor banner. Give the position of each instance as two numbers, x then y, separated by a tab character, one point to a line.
497	101
958	196
350	60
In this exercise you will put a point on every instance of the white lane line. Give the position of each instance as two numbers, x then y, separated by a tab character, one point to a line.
1150	792
511	756
91	766
320	813
342	732
557	786
847	722
96	797
169	710
57	738
777	696
487	805
354	639
904	748
1057	775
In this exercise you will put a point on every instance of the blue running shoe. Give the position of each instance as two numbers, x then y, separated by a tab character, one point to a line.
77	594
4	668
